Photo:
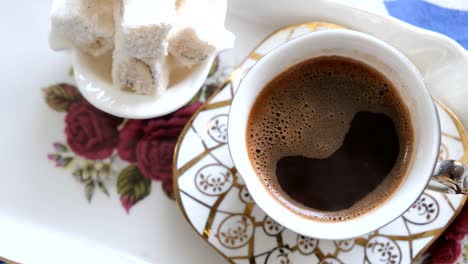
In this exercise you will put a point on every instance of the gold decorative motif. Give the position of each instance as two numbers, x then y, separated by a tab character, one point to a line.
214	179
235	231
345	245
271	227
306	245
217	128
382	250
424	211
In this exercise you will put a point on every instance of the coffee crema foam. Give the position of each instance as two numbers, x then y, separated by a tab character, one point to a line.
307	111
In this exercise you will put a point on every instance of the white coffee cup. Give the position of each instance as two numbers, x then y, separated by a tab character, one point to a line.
451	176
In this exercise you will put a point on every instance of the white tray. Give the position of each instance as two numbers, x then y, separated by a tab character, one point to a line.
44	216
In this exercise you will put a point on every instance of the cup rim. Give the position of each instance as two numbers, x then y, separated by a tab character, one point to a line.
262	195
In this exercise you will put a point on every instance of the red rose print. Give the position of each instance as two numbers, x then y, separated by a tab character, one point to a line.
445	251
459	228
154	152
155	160
447	248
129	137
90	132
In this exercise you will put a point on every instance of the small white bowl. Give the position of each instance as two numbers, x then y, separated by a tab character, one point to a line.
93	78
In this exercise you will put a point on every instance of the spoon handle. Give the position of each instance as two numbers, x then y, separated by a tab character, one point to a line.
450	176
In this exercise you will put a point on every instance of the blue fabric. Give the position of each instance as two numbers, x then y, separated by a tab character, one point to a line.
451	22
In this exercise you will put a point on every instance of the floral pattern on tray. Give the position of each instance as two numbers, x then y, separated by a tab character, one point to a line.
100	150
215	201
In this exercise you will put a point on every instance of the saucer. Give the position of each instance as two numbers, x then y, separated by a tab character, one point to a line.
217	204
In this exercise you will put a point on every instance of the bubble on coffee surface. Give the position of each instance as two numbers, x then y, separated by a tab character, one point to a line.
308	113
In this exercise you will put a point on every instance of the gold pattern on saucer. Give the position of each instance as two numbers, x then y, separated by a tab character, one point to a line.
426	206
223	213
217	128
235	231
214	180
460	129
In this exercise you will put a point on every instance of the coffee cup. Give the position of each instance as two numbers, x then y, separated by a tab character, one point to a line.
424	170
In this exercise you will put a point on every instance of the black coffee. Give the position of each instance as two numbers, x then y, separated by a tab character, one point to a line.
330	137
